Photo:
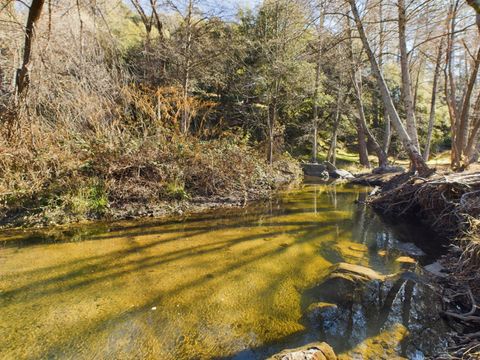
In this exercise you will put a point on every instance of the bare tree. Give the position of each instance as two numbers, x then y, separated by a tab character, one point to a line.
315	109
23	78
149	20
408	143
387	127
362	126
431	120
192	46
464	135
411	122
332	150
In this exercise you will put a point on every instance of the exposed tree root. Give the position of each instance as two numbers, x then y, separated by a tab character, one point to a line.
450	205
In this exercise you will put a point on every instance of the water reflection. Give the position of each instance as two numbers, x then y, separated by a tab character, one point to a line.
221	284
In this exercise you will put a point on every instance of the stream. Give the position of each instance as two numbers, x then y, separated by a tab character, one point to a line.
226	284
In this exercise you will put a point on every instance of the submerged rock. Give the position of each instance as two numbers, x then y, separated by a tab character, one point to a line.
346	281
406	262
353	253
356	305
410	249
436	269
332	319
315	351
381	346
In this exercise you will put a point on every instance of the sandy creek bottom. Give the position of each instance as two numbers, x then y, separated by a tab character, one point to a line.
225	284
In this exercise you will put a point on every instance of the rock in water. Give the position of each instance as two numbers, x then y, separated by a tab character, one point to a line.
315	351
348	281
436	269
367	315
341	174
316	170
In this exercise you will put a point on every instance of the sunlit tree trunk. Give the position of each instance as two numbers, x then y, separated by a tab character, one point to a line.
411	122
474	134
387	129
381	155
332	151
407	142
459	111
464	126
362	127
451	87
362	144
431	119
315	110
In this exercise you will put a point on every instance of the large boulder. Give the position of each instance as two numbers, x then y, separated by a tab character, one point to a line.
314	351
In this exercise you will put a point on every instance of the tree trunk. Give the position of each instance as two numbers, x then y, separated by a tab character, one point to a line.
387	130
361	122
460	122
431	120
332	151
22	78
272	119
464	126
474	133
381	155
186	71
407	142
451	87
362	144
417	82
387	137
315	111
411	121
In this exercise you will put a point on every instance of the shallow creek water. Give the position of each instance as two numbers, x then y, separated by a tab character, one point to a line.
224	284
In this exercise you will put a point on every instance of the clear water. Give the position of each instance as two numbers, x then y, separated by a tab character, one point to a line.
226	284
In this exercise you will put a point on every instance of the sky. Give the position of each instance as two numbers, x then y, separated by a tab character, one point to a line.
228	8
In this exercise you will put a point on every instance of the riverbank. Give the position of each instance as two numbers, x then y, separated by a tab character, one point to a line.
448	203
65	180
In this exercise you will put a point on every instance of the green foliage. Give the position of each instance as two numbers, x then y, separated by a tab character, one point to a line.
126	27
176	191
90	199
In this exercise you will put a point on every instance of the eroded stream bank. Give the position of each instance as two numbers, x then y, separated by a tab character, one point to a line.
237	283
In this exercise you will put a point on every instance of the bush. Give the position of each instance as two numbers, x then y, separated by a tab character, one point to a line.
71	175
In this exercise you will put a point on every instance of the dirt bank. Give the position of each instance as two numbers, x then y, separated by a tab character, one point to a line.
228	192
449	203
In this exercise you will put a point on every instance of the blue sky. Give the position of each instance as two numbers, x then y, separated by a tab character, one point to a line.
228	8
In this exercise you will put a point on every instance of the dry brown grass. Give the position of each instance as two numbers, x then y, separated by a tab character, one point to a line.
87	138
64	175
